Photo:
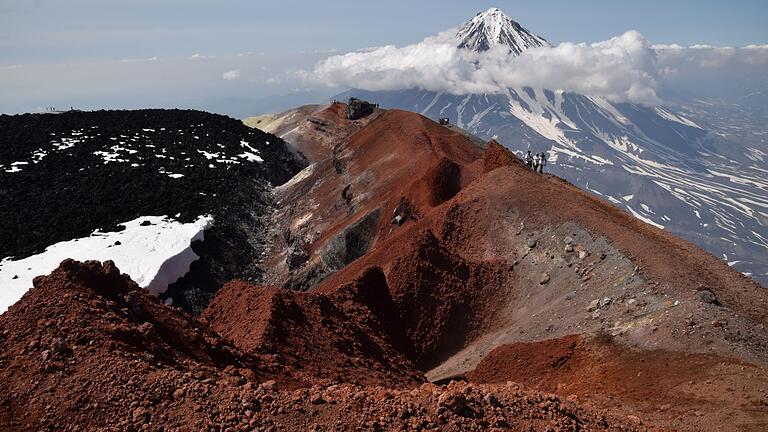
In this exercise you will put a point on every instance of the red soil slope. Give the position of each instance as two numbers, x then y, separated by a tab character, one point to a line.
87	350
682	392
336	337
86	346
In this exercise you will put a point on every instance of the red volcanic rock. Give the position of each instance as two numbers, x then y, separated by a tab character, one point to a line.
465	280
442	180
442	298
496	156
87	350
596	368
343	337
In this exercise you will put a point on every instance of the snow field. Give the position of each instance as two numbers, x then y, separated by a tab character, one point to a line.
154	255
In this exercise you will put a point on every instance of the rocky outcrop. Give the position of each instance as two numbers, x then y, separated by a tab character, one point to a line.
358	108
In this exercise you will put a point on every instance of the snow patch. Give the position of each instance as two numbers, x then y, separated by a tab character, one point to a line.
209	155
154	255
643	218
669	115
250	157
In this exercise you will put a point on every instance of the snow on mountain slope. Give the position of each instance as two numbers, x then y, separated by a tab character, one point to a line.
493	28
154	251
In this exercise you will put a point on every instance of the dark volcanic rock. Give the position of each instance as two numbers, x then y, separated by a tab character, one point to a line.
357	109
64	175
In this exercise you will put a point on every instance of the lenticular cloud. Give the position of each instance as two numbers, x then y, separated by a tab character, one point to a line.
622	69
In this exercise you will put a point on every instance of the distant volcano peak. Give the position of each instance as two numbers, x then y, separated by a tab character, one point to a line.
493	28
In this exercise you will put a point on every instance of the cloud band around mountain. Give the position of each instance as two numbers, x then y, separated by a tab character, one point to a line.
626	68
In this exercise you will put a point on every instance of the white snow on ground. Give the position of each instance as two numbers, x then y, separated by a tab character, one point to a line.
669	115
644	219
155	256
253	155
207	155
250	157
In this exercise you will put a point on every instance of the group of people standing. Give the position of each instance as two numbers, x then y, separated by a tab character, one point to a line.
536	163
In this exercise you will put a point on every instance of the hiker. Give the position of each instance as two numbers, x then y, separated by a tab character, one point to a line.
536	162
529	160
542	162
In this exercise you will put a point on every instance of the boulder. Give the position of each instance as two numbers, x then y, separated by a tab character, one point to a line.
140	415
316	398
358	108
452	401
491	400
604	302
708	297
593	305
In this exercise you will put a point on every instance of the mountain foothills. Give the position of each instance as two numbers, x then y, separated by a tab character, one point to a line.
678	167
402	280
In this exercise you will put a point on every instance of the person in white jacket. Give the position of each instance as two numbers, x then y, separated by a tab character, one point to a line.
536	162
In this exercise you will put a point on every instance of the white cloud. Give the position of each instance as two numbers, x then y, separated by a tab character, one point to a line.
621	69
711	57
231	75
624	68
134	60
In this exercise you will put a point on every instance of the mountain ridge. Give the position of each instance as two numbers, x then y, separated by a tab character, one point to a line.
654	162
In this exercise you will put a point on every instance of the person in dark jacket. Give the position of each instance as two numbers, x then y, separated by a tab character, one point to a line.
542	162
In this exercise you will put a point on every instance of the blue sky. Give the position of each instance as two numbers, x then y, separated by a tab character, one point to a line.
60	30
94	53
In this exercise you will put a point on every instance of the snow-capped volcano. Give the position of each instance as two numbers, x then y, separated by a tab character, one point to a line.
494	28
